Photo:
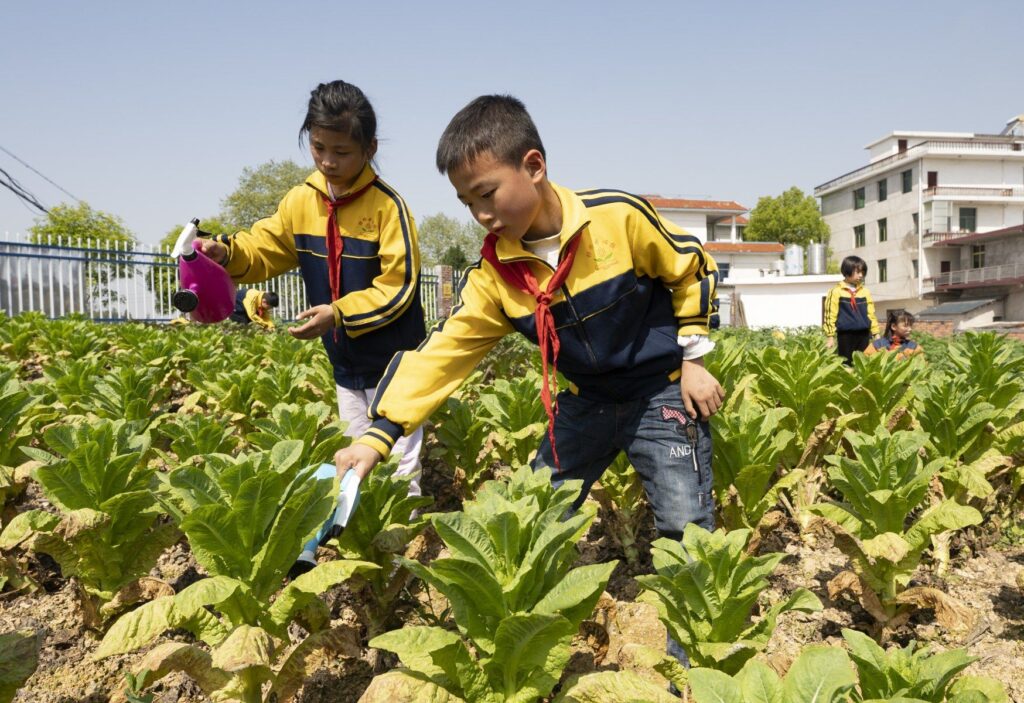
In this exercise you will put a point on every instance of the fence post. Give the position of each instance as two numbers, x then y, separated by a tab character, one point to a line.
445	291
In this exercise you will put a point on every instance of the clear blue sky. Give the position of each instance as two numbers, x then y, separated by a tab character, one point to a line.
150	110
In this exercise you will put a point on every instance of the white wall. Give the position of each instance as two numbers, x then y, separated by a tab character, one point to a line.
696	223
784	301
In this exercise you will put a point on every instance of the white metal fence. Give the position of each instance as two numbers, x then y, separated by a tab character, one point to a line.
122	281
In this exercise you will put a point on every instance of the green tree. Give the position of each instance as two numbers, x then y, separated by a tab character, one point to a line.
80	222
162	278
259	191
82	225
791	218
443	238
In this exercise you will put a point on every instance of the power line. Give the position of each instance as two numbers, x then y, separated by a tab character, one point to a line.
11	183
41	175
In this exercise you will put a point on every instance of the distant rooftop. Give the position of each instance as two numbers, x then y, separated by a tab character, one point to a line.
956	307
690	204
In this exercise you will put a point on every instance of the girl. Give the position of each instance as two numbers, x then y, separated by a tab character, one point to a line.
898	326
353	239
850	322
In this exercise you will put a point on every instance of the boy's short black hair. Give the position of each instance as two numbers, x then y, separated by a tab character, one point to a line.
851	264
270	298
499	124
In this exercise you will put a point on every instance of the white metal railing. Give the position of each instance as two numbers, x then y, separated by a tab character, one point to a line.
973	191
929	147
122	281
986	275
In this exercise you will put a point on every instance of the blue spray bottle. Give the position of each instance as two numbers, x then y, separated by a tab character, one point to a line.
348	499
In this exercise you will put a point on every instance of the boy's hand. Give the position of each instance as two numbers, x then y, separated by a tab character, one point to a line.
702	394
830	342
319	321
214	250
356	457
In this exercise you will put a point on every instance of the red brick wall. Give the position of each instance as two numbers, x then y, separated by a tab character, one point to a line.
936	328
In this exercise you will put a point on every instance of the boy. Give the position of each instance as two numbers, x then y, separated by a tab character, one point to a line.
850	323
252	305
620	304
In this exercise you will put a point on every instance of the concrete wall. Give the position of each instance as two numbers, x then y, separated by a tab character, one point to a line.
783	301
696	223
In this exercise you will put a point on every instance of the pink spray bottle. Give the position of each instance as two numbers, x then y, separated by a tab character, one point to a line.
207	292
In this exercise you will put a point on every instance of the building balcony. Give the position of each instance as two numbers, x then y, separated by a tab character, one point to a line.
992	147
988	276
973	194
955	239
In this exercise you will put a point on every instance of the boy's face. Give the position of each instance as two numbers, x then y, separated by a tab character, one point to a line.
503	198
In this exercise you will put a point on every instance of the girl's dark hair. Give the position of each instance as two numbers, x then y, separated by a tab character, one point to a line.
341	107
897	316
498	124
271	299
851	264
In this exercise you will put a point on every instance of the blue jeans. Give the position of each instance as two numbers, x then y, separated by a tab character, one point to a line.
670	452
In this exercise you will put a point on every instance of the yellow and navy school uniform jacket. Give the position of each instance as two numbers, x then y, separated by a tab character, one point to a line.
904	347
247	308
636	284
379	310
849	312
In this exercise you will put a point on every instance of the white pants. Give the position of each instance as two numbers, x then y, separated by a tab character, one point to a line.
353	404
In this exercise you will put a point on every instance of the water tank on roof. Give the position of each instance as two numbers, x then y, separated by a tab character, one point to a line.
794	260
817	255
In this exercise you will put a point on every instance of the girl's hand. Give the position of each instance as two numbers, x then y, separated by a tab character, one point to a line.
214	250
702	393
830	342
319	321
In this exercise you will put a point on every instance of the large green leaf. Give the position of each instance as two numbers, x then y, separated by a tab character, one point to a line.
19	656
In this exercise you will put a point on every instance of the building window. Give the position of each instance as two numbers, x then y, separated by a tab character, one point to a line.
883	230
915	222
978	256
968	219
908	180
723	271
858	199
917	268
858	236
883	270
883	189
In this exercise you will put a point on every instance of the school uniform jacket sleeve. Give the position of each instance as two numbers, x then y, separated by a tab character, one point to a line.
828	325
416	382
394	289
662	250
267	249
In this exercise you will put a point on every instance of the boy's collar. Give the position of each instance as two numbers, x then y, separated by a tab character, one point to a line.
318	182
574	219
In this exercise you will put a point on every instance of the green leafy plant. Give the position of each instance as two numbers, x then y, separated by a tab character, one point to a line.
620	493
809	384
461	437
957	417
883	390
231	392
879	524
751	445
914	673
108	534
515	413
311	423
246	520
819	675
516	600
706	590
19	657
993	363
379	530
194	436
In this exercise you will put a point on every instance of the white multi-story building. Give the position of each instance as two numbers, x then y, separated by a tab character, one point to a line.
937	216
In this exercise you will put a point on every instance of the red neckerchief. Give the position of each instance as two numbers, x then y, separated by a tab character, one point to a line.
853	297
895	342
518	275
335	245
